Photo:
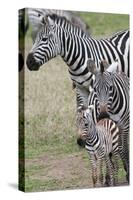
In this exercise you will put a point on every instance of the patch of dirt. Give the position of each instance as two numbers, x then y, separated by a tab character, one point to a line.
71	171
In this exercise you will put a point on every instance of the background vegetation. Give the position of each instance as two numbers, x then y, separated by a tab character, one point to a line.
52	158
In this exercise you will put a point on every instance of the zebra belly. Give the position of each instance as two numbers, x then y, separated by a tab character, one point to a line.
98	152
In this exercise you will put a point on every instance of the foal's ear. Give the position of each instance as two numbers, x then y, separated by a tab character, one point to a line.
81	108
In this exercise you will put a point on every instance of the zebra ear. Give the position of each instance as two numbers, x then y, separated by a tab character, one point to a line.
81	108
113	67
50	22
91	66
43	21
103	66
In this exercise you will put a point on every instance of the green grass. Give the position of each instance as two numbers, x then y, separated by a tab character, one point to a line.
53	159
40	185
105	24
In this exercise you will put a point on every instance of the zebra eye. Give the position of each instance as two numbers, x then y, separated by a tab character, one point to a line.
44	39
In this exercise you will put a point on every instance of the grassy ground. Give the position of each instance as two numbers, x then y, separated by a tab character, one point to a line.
53	159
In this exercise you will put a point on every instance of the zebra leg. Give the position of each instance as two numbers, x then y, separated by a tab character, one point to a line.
101	177
125	159
109	172
93	162
107	176
124	153
116	168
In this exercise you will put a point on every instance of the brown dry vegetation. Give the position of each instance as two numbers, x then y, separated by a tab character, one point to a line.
53	159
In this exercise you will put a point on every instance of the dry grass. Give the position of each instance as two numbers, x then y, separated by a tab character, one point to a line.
53	159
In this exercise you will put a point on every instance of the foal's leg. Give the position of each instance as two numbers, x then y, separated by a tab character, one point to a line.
101	177
93	162
116	168
109	173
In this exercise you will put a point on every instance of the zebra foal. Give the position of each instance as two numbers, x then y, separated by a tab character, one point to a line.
101	142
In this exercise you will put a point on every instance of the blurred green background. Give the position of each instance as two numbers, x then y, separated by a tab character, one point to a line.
104	24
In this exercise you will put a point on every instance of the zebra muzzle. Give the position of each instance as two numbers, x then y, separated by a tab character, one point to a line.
81	140
103	109
31	62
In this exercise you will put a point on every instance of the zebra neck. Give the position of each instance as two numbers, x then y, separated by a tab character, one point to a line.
92	133
92	140
73	50
75	54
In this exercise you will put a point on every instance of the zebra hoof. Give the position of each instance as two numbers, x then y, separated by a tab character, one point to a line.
107	181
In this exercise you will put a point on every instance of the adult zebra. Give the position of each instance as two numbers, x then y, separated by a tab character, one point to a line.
60	37
110	95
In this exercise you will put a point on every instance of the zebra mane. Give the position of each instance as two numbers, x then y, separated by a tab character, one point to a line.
65	23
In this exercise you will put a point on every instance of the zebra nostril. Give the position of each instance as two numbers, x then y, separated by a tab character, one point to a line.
103	108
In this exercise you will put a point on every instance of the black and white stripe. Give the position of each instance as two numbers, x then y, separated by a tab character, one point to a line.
111	94
101	142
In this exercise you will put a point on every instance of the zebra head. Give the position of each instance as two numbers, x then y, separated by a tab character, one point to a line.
46	45
84	123
103	86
